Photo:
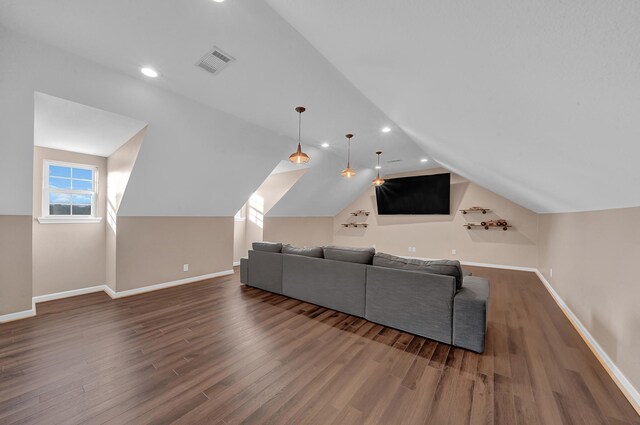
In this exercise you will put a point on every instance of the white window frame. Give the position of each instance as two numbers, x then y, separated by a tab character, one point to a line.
240	214
46	218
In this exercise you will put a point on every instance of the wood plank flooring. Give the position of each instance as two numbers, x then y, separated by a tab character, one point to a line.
217	352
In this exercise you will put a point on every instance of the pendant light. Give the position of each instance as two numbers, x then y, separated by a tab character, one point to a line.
348	172
378	181
299	157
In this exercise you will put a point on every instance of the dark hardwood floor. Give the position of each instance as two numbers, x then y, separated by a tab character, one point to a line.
216	352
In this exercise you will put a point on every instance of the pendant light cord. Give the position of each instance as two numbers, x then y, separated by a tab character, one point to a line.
299	126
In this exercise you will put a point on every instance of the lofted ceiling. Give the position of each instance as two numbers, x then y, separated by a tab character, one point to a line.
275	69
535	100
70	126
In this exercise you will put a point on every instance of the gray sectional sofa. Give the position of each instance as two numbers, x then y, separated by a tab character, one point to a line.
433	299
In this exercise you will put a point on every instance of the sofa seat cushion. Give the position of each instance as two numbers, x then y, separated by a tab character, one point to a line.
443	267
312	251
350	255
267	246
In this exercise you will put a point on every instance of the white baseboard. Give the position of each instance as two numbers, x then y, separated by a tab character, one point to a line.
630	392
475	264
67	294
236	263
130	292
17	316
113	294
499	266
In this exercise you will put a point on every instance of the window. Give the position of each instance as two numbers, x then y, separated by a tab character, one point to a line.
69	193
256	209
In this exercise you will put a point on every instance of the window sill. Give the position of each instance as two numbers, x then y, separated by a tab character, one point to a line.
69	220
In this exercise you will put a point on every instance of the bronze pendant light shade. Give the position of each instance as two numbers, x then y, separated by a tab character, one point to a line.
299	157
348	172
378	181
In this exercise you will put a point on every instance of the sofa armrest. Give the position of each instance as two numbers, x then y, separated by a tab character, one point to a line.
265	271
244	270
470	314
412	301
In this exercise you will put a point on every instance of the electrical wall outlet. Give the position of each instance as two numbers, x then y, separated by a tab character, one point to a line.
454	251
185	267
412	249
550	272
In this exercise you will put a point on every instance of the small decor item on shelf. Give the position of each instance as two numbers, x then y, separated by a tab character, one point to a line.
475	209
495	224
355	225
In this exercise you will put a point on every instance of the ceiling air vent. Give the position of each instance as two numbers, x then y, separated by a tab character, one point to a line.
215	61
391	161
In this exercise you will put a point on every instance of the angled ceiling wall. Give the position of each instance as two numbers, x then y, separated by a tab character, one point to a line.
70	126
195	160
537	101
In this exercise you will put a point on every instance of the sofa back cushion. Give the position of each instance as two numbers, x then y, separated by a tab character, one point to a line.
443	267
350	255
312	251
267	246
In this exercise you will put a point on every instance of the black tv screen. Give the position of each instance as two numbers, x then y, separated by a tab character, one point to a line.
415	195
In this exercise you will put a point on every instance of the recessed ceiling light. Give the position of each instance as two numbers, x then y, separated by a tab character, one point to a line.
424	160
378	167
218	1
386	129
325	145
149	72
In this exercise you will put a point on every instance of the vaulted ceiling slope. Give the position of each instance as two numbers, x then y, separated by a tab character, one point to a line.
275	68
70	126
197	127
195	160
535	100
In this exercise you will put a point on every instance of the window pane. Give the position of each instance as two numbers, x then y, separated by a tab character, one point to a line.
81	199
82	185
59	198
82	173
81	210
58	171
58	183
57	209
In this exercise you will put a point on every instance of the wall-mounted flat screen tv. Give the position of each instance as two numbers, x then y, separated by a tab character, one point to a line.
415	195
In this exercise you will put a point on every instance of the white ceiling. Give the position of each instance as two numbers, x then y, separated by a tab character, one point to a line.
70	126
275	70
535	100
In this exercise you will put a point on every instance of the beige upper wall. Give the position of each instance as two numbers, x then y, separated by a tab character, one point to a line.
67	256
15	263
152	250
435	236
593	256
239	237
119	167
299	231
